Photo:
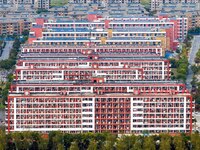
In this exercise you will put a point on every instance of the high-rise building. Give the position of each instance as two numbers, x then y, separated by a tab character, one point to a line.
98	75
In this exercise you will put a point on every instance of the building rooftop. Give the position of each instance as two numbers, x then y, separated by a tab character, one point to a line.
127	46
50	58
85	83
84	29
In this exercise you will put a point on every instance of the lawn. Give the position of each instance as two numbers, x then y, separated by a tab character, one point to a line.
145	2
58	2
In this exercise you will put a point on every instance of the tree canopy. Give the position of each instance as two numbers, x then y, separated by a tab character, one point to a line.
57	140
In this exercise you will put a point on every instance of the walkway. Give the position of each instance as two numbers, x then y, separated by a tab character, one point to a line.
6	50
193	51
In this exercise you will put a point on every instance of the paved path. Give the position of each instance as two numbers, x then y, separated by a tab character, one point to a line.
6	50
193	51
197	116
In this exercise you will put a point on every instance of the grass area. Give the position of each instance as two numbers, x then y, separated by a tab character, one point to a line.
145	2
58	2
64	2
2	106
174	73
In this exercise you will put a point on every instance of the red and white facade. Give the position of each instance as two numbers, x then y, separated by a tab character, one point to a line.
116	50
116	107
81	67
123	88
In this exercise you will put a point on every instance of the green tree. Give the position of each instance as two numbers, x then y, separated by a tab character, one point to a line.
58	139
173	63
179	143
120	144
21	140
100	138
195	30
55	139
195	69
10	144
195	141
138	143
110	141
25	33
125	142
92	145
2	140
74	146
165	143
68	138
149	143
197	58
43	144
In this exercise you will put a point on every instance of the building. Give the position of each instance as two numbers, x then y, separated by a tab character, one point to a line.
3	1
163	31
111	67
190	11
106	9
14	26
103	1
97	107
146	51
75	82
42	4
158	4
38	4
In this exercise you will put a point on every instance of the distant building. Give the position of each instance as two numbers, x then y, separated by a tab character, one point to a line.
3	1
42	4
104	1
157	4
38	4
14	26
190	11
142	31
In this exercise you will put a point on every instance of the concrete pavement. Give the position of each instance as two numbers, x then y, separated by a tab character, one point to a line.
6	50
194	49
197	116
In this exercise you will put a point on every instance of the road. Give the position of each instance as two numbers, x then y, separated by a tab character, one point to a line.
197	116
2	117
6	50
192	54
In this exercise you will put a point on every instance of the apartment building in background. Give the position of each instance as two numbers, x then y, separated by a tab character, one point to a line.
158	4
42	4
103	1
98	75
14	26
163	31
37	4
